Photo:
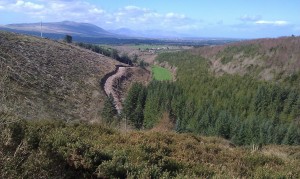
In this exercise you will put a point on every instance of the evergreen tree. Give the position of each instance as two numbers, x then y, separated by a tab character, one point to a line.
68	39
222	126
109	109
240	136
292	136
134	105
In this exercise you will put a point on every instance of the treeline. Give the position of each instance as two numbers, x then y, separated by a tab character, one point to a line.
242	109
109	52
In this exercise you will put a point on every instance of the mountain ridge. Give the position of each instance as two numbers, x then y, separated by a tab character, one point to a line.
64	27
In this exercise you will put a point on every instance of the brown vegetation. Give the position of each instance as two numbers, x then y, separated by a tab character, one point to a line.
49	149
45	79
267	59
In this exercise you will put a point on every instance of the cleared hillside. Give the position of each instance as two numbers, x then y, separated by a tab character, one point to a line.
45	79
267	59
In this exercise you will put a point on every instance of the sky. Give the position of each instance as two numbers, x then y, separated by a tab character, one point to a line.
196	18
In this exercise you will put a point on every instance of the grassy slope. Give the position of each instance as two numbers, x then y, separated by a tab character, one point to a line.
44	79
56	149
160	73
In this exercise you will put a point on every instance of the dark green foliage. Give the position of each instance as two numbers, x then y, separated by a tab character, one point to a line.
109	52
222	125
134	105
125	59
246	50
135	58
143	64
162	97
235	107
68	39
292	136
109	109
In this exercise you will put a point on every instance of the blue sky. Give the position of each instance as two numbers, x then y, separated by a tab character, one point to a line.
199	18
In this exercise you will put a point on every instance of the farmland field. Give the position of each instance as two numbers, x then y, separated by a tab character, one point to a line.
160	73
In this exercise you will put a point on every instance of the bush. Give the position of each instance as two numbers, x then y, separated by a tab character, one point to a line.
68	39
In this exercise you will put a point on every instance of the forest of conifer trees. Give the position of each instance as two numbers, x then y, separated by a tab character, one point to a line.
240	108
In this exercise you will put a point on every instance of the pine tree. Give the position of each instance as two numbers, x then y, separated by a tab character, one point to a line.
109	109
68	39
134	105
292	136
222	125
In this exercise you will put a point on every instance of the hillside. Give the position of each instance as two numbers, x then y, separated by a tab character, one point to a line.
239	104
266	59
45	79
52	149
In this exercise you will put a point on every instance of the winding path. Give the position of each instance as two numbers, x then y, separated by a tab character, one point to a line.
110	89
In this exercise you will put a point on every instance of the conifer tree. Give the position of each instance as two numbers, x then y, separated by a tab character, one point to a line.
109	109
222	126
134	105
292	136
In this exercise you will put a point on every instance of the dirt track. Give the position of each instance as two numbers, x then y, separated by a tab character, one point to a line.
109	89
120	81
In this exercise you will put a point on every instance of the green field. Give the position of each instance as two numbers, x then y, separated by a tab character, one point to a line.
160	73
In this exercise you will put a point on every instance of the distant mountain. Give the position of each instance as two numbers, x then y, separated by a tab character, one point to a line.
154	33
89	33
127	32
65	27
87	30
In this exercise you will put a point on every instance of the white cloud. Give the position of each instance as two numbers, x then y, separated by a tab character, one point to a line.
31	5
278	23
143	18
133	17
135	8
20	5
96	11
174	15
249	18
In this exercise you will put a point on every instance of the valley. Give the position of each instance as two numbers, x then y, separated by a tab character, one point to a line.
134	111
149	89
